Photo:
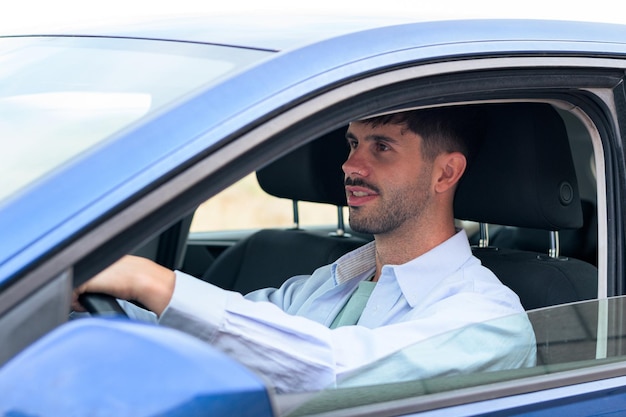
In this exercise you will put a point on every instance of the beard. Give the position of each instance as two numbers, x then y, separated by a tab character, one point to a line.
393	209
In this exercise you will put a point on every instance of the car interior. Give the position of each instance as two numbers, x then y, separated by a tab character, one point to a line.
529	217
535	232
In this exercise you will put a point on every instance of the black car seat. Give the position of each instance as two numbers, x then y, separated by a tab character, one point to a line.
580	243
523	175
268	257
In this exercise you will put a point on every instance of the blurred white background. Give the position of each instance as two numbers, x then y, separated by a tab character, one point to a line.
37	15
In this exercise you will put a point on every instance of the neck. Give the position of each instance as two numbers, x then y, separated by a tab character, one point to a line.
400	247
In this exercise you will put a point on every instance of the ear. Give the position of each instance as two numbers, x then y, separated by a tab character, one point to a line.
449	167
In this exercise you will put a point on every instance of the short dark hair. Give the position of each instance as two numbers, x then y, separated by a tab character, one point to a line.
443	129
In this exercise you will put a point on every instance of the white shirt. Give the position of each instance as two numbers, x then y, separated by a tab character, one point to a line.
283	334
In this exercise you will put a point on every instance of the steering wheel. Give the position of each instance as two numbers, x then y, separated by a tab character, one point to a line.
100	304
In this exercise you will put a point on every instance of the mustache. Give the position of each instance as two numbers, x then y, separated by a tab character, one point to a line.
360	183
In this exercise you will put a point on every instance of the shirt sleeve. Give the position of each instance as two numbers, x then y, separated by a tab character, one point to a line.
289	351
293	352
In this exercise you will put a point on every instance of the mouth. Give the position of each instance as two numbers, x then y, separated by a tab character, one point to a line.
358	195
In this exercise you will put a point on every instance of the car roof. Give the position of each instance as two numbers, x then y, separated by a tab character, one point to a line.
268	32
286	31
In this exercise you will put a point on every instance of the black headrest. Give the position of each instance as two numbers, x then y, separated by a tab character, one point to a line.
310	173
523	173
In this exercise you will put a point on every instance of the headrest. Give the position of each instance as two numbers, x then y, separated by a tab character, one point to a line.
310	173
523	173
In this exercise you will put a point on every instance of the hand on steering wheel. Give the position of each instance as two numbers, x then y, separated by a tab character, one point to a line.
99	304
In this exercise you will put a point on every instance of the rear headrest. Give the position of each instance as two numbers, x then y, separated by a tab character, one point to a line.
523	173
310	173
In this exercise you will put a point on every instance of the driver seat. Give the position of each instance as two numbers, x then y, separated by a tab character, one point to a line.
523	175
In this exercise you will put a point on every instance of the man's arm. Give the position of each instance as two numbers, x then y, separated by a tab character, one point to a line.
135	279
299	354
295	353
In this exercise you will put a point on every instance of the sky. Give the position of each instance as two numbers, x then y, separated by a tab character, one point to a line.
25	16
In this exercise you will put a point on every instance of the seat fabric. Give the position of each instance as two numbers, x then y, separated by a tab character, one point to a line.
271	256
523	176
539	280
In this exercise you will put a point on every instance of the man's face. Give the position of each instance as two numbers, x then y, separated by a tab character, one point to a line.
388	183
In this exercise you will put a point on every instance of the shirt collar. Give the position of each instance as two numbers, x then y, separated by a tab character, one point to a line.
420	275
417	277
360	262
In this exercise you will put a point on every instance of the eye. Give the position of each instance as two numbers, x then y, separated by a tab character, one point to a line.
353	143
381	146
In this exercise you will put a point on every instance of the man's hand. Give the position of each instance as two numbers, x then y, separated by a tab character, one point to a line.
132	278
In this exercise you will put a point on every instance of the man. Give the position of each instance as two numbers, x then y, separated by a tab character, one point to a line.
417	280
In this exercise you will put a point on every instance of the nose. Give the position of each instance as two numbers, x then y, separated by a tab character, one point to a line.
354	165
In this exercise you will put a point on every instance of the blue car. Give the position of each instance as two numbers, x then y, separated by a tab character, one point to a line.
217	151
